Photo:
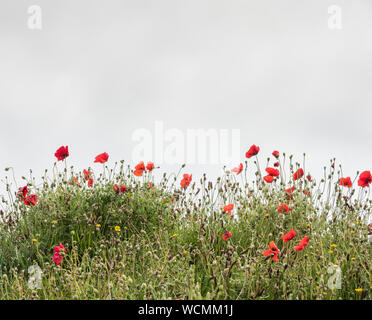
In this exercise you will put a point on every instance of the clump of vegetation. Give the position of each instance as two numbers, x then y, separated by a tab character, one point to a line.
120	235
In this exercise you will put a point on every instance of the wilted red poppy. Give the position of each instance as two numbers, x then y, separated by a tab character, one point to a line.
365	179
268	178
119	189
22	192
303	243
283	208
238	170
30	200
272	172
276	164
139	169
253	150
226	236
289	236
62	153
90	182
58	254
272	251
346	182
185	182
298	174
290	190
102	158
150	166
87	174
276	154
228	208
306	193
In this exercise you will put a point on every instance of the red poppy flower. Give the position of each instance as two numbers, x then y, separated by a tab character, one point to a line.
102	158
226	236
76	181
276	154
150	166
268	178
272	251
90	182
289	236
58	254
22	192
185	182
30	200
346	182
272	172
228	208
62	153
290	190
303	243
306	193
139	169
119	189
276	164
365	179
253	150
283	208
298	174
87	174
308	177
238	170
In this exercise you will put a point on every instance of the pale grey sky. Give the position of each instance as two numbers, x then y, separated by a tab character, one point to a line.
98	70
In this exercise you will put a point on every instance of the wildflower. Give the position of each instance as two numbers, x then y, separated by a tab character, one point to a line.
34	240
119	189
23	191
289	236
139	169
333	245
102	158
98	225
306	193
174	235
87	174
298	174
253	150
268	179
369	229
365	179
238	170
308	177
346	182
303	243
353	259
117	228
272	251
185	182
276	154
76	181
272	172
266	215
62	153
226	236
358	290
228	208
150	166
276	164
30	200
53	221
283	208
90	182
58	254
290	190
330	251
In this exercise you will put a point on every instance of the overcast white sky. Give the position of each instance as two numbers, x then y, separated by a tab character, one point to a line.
99	70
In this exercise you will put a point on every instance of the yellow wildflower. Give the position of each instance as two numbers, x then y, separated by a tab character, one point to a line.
34	240
330	251
358	290
117	228
175	235
333	245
